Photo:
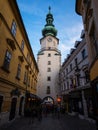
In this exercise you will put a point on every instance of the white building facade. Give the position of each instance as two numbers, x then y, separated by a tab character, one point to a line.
49	62
76	90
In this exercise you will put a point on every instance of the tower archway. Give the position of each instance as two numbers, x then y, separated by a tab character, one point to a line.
48	99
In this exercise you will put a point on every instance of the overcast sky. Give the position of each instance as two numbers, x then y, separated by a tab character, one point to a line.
66	21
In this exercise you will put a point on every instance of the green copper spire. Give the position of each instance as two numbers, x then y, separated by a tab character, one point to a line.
49	9
49	28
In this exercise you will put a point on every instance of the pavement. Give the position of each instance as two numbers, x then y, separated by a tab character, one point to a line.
51	122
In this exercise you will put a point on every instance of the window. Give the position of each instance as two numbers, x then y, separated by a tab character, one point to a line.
49	69
76	61
29	81
22	45
13	28
48	90
7	60
25	77
48	78
71	83
49	55
18	71
49	62
28	57
66	70
83	54
87	77
78	80
1	101
70	67
67	85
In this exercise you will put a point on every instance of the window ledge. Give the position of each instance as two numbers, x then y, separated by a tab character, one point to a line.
6	70
17	78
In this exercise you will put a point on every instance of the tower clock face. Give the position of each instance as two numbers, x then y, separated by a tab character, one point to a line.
49	39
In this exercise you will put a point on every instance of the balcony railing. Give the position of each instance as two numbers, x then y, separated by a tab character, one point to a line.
49	48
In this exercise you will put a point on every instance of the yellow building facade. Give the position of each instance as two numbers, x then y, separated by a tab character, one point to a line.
88	9
18	68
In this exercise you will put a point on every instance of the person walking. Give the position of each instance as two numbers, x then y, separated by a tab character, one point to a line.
58	111
39	112
33	113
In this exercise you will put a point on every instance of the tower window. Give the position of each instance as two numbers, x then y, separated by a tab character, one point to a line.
49	62
48	90
49	55
48	78
49	69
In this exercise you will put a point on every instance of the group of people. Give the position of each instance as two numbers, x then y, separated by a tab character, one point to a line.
36	111
43	110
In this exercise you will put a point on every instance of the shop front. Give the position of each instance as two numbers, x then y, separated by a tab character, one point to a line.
95	97
89	101
75	102
65	98
31	101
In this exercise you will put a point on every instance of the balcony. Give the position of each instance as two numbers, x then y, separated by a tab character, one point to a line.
48	49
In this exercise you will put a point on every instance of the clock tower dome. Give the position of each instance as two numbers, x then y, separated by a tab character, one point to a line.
49	28
49	62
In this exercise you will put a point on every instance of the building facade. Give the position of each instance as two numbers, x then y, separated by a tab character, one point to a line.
75	82
49	62
18	68
88	9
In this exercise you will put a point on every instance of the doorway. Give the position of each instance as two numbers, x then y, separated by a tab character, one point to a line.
13	108
21	106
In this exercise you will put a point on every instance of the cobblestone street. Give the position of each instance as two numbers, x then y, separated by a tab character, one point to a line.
66	122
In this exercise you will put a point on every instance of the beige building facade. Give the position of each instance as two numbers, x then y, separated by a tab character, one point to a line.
18	68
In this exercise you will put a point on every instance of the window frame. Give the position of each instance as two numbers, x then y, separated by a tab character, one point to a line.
49	62
14	28
49	69
7	60
48	91
49	54
83	54
18	71
22	45
48	78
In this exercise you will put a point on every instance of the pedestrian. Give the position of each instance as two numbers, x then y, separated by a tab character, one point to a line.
33	113
39	112
45	110
58	110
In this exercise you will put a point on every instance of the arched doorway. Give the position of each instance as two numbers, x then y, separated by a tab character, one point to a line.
48	104
13	108
1	101
48	99
21	106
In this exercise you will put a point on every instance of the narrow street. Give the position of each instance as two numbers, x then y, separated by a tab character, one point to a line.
65	122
